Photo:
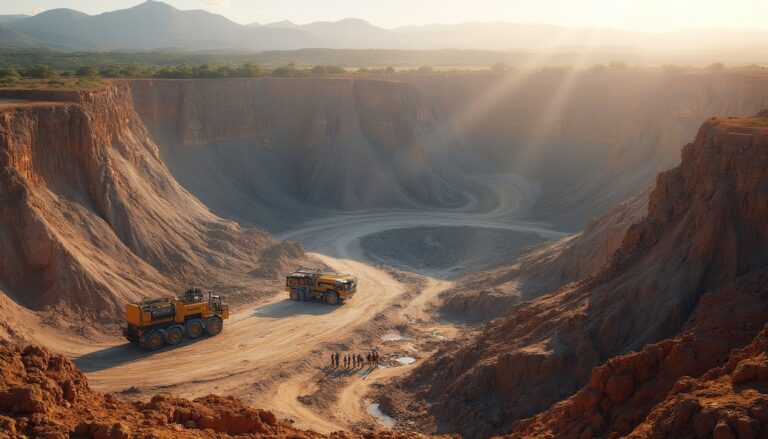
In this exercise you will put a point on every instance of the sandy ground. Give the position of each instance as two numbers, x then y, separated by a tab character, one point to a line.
276	354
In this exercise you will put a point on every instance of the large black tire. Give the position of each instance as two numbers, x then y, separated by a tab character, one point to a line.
194	328
294	295
174	335
213	326
332	297
154	340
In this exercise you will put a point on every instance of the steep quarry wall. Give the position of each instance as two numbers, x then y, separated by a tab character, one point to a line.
89	215
585	140
591	139
705	231
290	144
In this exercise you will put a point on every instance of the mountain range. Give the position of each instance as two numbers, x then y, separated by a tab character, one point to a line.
154	25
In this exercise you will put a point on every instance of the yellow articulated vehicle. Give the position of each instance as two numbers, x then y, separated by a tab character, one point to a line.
153	323
331	288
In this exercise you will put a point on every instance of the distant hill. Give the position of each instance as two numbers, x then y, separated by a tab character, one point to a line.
154	25
13	39
9	18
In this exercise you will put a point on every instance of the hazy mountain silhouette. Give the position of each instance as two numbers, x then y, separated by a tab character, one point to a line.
157	25
14	39
9	18
152	25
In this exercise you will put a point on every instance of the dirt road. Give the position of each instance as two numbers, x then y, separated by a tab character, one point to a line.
275	354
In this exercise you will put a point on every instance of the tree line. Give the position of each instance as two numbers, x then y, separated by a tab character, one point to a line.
185	71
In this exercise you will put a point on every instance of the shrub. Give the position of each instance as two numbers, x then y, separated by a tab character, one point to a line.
87	72
39	71
319	70
248	70
335	70
9	76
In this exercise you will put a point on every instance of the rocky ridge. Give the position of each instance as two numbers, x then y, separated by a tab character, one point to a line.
705	231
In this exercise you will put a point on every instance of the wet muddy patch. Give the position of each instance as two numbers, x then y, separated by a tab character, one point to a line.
447	252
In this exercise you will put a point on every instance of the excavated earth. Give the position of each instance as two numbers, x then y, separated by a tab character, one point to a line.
692	272
415	184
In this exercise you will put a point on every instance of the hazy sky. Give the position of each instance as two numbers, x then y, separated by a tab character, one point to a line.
650	15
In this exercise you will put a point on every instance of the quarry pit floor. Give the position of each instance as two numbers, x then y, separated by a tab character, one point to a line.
276	354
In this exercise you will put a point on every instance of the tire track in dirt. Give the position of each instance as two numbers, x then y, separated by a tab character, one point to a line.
272	353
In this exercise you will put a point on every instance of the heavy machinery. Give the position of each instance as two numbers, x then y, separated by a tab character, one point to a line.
331	288
154	322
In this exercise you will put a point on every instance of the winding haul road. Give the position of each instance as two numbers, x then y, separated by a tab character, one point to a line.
271	353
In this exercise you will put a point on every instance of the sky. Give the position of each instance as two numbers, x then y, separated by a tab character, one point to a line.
643	15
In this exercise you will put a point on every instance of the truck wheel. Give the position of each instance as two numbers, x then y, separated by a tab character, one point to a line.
194	328
213	326
153	341
305	294
174	335
294	295
332	298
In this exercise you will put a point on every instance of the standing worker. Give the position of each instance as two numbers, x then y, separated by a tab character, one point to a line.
376	357
337	359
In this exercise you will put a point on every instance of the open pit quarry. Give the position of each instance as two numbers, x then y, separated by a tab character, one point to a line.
535	255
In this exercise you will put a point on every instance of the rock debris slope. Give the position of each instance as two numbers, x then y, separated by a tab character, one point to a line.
701	250
90	217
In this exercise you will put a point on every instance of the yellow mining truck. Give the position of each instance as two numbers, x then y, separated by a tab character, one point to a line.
154	322
331	288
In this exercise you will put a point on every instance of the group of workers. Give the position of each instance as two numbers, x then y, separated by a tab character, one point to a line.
355	361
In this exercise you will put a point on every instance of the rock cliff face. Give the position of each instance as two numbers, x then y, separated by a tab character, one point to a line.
585	140
590	139
90	216
492	294
705	231
648	393
290	144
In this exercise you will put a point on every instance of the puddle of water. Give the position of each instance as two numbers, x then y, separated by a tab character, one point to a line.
374	410
405	360
392	336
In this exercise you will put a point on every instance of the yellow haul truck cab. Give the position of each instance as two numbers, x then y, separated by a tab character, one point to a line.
155	322
331	288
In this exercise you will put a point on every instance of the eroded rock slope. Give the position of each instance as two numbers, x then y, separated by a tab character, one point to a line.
90	217
705	232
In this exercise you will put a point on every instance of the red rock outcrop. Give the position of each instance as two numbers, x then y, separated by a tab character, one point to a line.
90	217
44	395
705	232
623	393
